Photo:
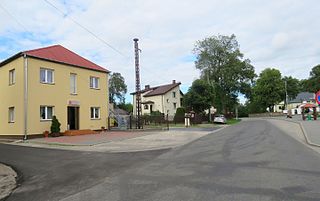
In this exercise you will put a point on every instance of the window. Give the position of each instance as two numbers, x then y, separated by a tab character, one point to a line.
11	114
94	82
174	94
174	105
95	113
46	76
167	100
12	77
46	112
73	83
146	107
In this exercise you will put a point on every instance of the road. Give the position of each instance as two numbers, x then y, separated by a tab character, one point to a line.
253	160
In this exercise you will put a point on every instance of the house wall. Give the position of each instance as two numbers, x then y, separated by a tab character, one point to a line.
162	103
169	100
12	96
58	95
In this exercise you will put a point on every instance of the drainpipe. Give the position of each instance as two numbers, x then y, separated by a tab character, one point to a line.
25	92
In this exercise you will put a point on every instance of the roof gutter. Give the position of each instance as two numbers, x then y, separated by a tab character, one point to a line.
25	93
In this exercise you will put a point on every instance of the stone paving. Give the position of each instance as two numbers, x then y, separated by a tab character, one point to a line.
7	181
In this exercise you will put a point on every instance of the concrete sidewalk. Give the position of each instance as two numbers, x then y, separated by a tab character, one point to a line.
311	129
7	181
122	141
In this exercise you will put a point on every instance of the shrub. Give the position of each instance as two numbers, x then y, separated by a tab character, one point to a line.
179	116
55	125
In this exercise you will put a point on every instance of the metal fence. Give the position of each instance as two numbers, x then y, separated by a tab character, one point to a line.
159	121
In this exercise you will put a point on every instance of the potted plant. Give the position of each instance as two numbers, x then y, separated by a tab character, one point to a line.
46	133
55	127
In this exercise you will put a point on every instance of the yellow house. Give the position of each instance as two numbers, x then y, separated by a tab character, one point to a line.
37	84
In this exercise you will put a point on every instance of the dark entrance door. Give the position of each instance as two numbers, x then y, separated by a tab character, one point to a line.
151	109
73	118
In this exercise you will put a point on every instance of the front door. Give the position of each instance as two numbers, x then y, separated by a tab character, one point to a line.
73	118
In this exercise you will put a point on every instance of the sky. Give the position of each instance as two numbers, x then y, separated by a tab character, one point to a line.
278	34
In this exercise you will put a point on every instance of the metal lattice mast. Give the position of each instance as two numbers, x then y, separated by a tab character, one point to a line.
138	90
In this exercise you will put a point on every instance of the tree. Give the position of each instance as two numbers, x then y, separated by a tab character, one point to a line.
199	96
293	86
313	83
269	89
117	88
126	106
222	65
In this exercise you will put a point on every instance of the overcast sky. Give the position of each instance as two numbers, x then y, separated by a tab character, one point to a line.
282	34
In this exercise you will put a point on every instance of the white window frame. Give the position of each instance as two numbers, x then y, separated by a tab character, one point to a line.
11	115
12	77
46	113
93	84
73	83
93	112
46	80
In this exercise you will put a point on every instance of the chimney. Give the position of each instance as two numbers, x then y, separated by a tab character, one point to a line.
173	81
146	86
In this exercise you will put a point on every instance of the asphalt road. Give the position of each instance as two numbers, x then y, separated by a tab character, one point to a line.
252	160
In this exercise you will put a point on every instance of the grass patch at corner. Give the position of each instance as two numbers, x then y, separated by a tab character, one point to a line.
233	121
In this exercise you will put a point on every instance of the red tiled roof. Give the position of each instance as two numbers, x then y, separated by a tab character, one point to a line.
58	53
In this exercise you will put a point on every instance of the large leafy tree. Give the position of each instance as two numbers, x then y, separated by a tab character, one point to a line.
313	83
269	89
117	88
199	96
293	86
222	65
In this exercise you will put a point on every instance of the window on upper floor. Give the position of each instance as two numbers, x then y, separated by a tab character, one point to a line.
174	94
73	83
95	112
175	105
167	100
12	77
11	115
46	76
94	82
46	112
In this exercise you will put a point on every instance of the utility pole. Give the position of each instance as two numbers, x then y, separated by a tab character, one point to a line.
285	86
138	90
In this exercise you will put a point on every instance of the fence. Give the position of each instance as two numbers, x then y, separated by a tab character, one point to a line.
159	121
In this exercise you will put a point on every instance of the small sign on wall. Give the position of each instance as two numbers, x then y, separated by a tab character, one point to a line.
74	102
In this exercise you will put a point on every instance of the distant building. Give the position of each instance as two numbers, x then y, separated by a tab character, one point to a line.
37	84
164	98
294	104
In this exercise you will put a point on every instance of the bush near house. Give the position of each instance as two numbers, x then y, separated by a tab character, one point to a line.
55	127
179	116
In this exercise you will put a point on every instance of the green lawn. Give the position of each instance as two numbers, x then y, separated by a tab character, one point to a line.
233	121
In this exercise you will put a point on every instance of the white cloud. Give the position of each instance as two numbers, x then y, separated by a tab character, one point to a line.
282	34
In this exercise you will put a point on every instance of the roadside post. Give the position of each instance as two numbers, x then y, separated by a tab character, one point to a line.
187	119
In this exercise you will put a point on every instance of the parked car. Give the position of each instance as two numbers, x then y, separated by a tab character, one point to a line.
220	119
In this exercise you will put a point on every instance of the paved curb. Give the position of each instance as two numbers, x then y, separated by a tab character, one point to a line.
8	181
302	129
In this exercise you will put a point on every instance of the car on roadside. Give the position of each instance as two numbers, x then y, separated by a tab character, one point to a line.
220	119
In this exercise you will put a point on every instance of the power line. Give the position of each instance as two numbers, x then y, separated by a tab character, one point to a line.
85	28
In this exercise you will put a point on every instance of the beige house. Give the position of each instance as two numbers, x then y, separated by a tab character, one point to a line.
165	99
37	84
294	104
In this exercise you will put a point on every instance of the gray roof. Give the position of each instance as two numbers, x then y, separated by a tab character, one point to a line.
303	96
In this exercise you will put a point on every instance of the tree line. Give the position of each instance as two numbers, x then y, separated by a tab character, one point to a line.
225	74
